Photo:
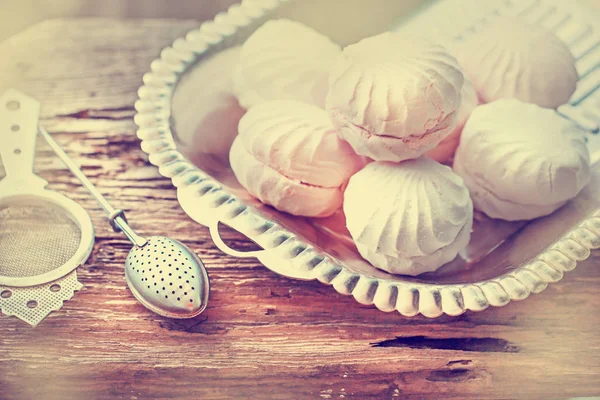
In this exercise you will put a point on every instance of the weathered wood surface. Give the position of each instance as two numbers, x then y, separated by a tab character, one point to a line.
262	336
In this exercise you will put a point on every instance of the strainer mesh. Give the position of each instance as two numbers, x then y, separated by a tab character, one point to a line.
35	238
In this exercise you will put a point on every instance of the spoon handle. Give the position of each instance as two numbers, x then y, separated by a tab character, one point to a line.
116	217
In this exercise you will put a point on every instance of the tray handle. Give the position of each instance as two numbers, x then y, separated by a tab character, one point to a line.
218	241
270	258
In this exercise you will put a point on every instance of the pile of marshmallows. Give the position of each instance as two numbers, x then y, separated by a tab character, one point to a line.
365	128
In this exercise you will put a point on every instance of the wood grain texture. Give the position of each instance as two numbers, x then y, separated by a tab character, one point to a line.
262	335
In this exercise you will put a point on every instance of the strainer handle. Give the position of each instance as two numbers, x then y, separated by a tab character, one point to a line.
116	217
19	115
77	172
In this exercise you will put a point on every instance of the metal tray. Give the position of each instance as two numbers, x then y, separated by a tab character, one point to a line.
505	261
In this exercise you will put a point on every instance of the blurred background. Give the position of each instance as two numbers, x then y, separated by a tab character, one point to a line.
17	15
323	15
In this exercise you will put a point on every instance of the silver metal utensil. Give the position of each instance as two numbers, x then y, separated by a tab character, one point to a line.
163	274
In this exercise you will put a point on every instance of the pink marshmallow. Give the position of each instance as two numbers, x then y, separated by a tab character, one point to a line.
288	155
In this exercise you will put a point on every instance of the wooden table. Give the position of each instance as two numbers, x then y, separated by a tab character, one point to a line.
262	336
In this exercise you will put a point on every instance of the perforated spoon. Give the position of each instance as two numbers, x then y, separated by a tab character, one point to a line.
163	274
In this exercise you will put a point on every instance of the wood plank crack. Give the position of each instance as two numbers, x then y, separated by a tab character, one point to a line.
485	344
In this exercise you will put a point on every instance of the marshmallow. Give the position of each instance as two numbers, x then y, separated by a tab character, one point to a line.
393	98
512	59
284	60
288	155
521	161
208	123
408	218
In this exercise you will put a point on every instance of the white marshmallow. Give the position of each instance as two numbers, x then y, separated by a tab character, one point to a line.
288	155
513	59
206	112
408	218
521	161
393	98
279	191
284	60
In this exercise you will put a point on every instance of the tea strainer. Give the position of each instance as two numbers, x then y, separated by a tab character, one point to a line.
163	274
44	236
